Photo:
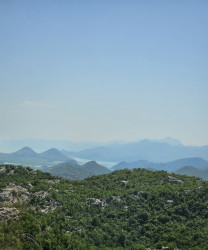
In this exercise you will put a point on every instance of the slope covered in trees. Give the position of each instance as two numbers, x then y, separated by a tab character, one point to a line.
130	209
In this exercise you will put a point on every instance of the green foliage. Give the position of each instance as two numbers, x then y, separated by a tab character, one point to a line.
130	209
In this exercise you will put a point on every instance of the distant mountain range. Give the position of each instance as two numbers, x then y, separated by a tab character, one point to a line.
74	171
172	166
27	156
168	140
167	154
149	150
189	166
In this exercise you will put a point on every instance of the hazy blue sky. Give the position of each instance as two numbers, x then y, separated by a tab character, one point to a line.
104	70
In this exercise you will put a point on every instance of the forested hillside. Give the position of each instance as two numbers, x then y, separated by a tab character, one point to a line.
130	209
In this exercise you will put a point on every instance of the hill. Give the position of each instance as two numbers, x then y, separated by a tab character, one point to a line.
199	163
153	151
27	156
95	169
74	171
126	209
191	171
25	152
54	154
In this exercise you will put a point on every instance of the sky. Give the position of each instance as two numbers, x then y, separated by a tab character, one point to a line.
104	70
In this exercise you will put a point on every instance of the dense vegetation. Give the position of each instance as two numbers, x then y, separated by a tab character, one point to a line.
131	209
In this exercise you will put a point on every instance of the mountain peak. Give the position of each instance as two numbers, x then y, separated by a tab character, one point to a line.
25	151
26	148
54	154
91	164
53	150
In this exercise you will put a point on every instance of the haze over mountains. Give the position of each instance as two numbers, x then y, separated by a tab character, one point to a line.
27	156
68	168
166	154
148	150
198	163
164	150
41	145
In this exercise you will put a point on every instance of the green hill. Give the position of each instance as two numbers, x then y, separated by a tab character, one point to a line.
191	171
126	209
74	171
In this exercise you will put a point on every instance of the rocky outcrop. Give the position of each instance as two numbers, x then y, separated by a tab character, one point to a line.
13	193
53	181
7	213
97	202
173	180
41	194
